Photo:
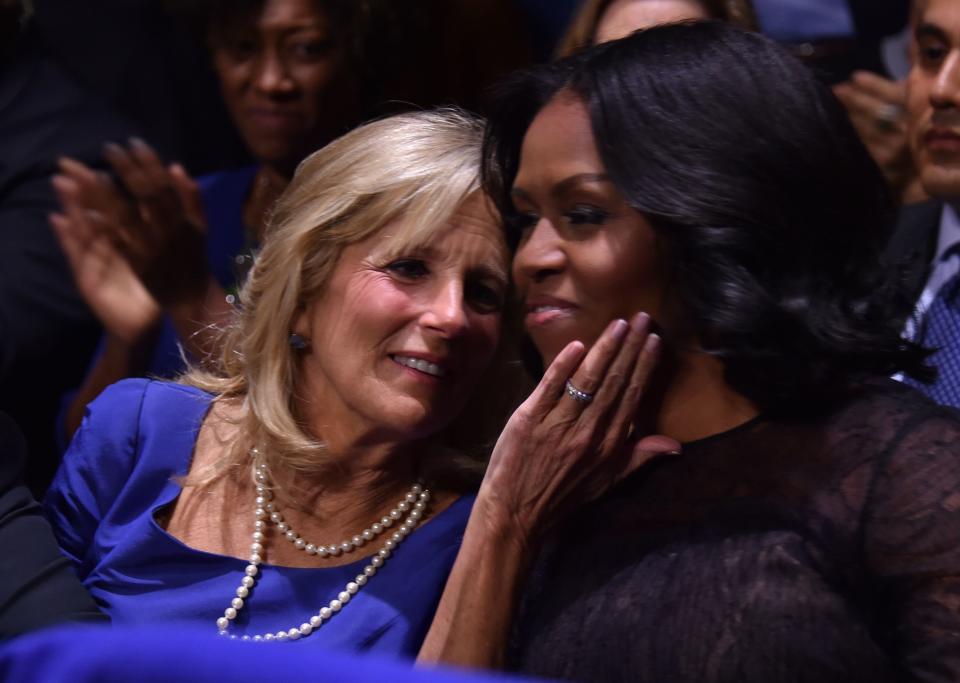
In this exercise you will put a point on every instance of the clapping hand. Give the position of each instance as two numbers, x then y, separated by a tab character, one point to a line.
93	213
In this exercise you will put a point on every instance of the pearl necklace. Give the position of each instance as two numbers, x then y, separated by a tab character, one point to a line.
412	507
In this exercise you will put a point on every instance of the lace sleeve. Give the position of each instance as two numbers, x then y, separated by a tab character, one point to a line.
912	547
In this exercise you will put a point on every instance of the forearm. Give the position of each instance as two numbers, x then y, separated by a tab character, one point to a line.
200	318
473	618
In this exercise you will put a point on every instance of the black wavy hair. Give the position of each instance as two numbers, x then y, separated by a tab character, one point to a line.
771	210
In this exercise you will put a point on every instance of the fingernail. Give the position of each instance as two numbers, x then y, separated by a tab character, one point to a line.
139	143
674	453
112	149
640	321
619	328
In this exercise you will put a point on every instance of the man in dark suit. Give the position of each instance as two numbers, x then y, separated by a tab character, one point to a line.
39	587
47	333
929	234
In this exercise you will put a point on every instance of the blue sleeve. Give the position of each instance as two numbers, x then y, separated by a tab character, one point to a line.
95	468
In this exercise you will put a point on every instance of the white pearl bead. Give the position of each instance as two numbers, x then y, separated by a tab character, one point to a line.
282	527
334	550
260	501
251	570
255	559
395	514
416	488
270	506
325	613
346	546
291	535
243	592
384	553
315	621
233	637
258	638
237	603
403	506
276	517
259	526
376	528
414	516
268	636
299	544
335	605
358	541
360	580
376	561
322	551
293	634
247	581
390	544
258	537
230	613
397	536
245	638
419	506
425	496
223	623
369	570
411	497
280	635
256	547
344	597
260	513
310	548
306	629
352	588
368	534
386	522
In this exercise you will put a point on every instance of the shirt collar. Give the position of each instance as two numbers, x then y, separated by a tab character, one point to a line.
949	235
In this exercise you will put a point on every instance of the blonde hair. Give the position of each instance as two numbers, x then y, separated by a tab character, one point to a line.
583	28
419	165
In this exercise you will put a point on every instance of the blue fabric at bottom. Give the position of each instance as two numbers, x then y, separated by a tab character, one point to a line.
105	655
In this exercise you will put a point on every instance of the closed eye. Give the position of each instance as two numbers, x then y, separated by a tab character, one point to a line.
483	296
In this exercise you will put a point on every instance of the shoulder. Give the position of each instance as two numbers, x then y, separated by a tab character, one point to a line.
130	412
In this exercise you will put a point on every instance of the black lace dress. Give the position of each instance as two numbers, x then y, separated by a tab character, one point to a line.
819	549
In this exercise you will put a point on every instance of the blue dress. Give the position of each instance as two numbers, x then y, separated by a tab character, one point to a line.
118	472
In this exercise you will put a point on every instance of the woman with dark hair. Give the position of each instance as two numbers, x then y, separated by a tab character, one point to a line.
810	529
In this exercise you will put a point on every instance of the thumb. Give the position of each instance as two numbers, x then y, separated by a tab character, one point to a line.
650	448
189	195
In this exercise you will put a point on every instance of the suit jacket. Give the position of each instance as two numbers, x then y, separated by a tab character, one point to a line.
47	333
39	587
913	245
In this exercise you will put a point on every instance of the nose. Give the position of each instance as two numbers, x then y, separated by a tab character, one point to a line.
445	311
946	88
541	254
272	76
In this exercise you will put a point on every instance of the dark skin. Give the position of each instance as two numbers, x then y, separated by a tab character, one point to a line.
136	242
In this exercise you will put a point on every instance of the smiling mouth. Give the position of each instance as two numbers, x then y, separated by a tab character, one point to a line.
419	364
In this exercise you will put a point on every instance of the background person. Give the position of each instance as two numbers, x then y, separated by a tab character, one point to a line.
927	239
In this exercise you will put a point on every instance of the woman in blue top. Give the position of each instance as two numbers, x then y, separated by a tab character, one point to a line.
318	468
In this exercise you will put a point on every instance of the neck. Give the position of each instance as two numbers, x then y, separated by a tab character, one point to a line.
690	399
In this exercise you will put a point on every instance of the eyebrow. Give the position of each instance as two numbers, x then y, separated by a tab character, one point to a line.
928	30
567	183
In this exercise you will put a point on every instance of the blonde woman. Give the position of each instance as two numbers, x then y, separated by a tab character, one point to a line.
286	495
598	21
